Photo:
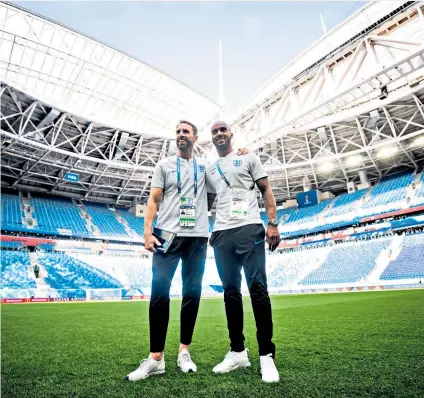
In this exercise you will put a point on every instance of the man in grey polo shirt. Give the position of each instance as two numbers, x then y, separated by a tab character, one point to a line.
238	240
178	185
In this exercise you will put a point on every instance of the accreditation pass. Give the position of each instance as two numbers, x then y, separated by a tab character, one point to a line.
187	212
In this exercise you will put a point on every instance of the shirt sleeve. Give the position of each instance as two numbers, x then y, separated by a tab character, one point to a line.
158	180
256	169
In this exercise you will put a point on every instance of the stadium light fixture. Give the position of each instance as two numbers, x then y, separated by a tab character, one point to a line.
326	167
387	151
354	160
419	141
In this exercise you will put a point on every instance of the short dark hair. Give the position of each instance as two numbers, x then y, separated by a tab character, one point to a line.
190	124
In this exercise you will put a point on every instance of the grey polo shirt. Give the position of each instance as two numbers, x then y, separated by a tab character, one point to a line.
165	177
241	172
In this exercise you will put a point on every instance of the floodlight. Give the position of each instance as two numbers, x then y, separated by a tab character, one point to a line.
387	151
354	160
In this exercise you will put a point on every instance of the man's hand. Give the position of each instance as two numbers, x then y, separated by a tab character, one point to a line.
242	151
150	241
273	237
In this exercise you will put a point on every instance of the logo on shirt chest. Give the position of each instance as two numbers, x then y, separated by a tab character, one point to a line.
201	168
237	163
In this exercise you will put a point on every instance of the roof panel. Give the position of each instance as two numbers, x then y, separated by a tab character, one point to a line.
93	80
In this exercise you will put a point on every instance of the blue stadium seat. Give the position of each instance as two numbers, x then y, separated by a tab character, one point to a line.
389	191
419	191
67	272
135	223
15	268
347	263
344	203
105	220
11	214
409	264
211	223
10	245
306	214
285	268
53	213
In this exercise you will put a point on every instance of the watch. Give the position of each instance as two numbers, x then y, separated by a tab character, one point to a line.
273	222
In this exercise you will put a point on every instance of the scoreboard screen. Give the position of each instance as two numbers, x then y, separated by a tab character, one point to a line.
306	199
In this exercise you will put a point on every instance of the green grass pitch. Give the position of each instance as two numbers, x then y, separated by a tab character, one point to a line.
367	344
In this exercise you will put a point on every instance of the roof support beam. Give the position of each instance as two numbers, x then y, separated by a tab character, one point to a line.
26	172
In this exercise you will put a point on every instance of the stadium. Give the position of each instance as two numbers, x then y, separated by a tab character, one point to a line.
340	132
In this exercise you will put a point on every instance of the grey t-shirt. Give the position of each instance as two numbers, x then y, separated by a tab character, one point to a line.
241	172
165	177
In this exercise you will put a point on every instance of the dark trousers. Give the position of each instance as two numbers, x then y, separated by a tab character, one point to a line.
238	248
192	252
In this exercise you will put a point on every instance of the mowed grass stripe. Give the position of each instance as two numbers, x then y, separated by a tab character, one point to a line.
330	345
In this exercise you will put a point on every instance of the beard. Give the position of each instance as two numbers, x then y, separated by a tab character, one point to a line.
183	145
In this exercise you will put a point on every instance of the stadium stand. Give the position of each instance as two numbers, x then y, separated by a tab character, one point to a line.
10	245
11	210
419	192
211	223
71	273
349	262
15	270
388	193
130	271
135	223
306	214
105	220
67	272
54	213
345	203
409	263
286	268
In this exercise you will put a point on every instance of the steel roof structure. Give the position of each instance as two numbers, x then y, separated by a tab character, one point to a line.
352	101
71	103
80	75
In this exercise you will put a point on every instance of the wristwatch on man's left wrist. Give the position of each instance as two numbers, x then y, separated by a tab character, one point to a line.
273	222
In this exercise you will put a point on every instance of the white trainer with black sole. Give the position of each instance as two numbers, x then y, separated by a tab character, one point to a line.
148	367
185	363
232	361
268	370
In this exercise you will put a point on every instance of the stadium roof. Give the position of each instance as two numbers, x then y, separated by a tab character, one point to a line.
80	75
330	122
355	94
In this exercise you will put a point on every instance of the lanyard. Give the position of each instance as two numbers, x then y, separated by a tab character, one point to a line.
223	176
179	185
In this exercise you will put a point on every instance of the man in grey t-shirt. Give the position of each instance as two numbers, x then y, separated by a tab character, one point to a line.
238	240
179	190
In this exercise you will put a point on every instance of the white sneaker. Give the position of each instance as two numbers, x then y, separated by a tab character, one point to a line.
232	361
185	363
268	370
148	367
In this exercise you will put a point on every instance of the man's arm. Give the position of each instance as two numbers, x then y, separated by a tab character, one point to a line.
156	192
272	233
268	196
151	211
152	208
